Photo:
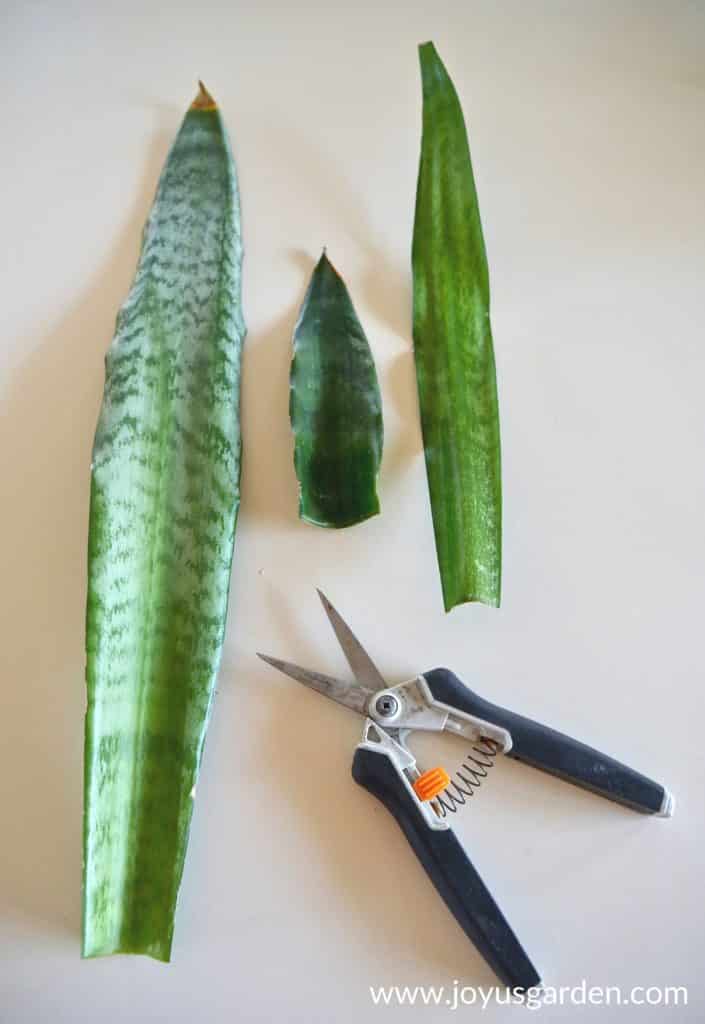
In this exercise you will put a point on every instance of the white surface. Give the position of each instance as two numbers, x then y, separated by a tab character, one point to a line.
588	137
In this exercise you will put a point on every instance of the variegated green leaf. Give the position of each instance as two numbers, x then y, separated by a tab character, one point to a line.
335	407
164	503
455	366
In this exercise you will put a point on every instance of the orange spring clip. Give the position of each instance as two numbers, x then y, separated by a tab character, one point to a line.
431	783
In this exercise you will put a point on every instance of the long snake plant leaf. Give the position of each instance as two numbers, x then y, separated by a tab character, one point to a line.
164	503
453	350
335	407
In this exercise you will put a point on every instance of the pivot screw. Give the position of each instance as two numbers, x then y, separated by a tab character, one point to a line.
386	706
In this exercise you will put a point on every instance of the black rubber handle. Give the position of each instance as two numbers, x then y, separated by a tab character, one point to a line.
450	870
551	751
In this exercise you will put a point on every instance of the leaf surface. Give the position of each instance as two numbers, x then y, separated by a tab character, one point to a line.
164	501
453	350
335	407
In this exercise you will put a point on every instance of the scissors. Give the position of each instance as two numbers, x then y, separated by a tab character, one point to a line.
438	701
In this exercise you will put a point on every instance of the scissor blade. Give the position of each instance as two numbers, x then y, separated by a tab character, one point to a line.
351	695
362	665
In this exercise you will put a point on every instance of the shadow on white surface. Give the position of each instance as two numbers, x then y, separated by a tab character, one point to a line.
48	413
400	385
269	486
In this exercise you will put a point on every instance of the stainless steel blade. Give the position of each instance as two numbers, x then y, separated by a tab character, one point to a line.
362	665
351	695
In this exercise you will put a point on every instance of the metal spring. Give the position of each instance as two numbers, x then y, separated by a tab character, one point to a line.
470	775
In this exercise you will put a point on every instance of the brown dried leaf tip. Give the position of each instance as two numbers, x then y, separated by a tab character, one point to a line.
204	100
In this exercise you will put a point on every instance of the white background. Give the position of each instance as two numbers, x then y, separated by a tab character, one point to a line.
587	130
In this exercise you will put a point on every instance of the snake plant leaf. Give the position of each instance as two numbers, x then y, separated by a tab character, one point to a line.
335	407
163	509
454	357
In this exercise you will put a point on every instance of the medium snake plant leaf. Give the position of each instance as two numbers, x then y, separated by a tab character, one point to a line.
455	366
164	503
335	407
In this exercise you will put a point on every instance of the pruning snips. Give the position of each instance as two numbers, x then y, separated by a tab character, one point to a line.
438	701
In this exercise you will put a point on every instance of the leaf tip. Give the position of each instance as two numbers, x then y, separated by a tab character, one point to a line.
325	263
433	70
428	52
204	100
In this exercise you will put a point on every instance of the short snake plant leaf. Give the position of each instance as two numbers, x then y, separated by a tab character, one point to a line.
454	357
164	503
335	407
